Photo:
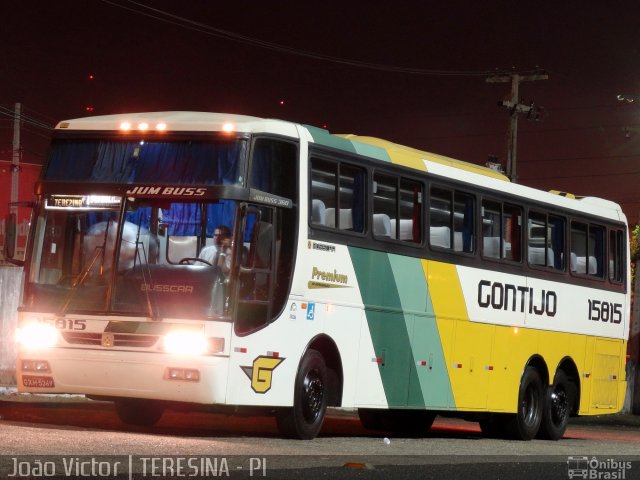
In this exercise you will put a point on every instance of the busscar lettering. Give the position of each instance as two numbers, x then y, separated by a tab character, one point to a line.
145	287
517	298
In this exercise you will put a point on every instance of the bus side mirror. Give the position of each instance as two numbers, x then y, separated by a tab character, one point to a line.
10	239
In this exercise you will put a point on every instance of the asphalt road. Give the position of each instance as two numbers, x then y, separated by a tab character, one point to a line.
57	432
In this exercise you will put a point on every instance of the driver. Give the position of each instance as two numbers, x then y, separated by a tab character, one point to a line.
220	252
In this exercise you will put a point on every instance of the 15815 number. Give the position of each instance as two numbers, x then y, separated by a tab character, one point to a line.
605	311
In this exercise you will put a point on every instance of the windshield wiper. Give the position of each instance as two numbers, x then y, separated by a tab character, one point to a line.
82	276
146	274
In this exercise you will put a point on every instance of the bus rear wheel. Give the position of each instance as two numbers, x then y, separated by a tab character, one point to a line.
556	408
525	423
304	420
133	411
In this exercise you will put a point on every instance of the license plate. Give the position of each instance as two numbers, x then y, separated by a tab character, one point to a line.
32	381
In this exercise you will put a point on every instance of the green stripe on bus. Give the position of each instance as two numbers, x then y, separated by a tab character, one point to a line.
371	151
323	137
428	365
387	324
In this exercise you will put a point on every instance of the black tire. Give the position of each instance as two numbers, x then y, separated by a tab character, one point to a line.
304	420
408	422
524	424
139	412
557	408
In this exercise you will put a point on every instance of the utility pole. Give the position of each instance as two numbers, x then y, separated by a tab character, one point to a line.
15	167
514	109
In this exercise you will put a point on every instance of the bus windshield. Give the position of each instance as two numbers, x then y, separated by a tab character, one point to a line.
157	268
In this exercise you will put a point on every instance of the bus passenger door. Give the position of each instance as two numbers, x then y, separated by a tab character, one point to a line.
256	252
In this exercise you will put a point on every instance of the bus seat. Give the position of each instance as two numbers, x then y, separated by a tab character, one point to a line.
581	264
346	218
537	256
440	237
573	262
406	229
179	247
491	247
318	212
381	225
457	241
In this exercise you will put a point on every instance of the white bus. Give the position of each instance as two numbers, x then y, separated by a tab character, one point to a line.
361	274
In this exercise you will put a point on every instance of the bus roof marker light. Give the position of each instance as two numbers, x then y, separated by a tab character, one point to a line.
143	126
125	126
161	126
228	127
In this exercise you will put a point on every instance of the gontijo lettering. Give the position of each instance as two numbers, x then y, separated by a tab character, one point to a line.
516	298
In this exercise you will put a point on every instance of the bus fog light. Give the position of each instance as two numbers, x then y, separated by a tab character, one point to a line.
185	343
41	366
184	374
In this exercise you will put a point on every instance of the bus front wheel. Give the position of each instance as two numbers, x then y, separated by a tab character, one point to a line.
304	420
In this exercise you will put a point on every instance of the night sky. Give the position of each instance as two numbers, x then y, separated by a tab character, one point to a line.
584	142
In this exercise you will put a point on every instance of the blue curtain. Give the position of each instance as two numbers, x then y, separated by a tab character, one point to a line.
183	163
71	160
185	218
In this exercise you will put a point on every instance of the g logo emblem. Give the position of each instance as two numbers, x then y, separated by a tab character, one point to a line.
261	373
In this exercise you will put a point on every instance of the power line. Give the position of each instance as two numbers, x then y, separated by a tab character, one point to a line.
24	118
206	29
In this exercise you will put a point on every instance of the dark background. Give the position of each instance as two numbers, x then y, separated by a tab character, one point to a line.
584	142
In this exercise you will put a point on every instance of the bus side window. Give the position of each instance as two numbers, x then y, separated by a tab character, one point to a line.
587	249
463	222
545	245
616	256
452	220
501	231
341	189
323	187
385	208
596	249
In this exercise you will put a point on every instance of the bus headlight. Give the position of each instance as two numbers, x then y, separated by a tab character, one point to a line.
35	336
185	343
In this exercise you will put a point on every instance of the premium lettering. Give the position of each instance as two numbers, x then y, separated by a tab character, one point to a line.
329	276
